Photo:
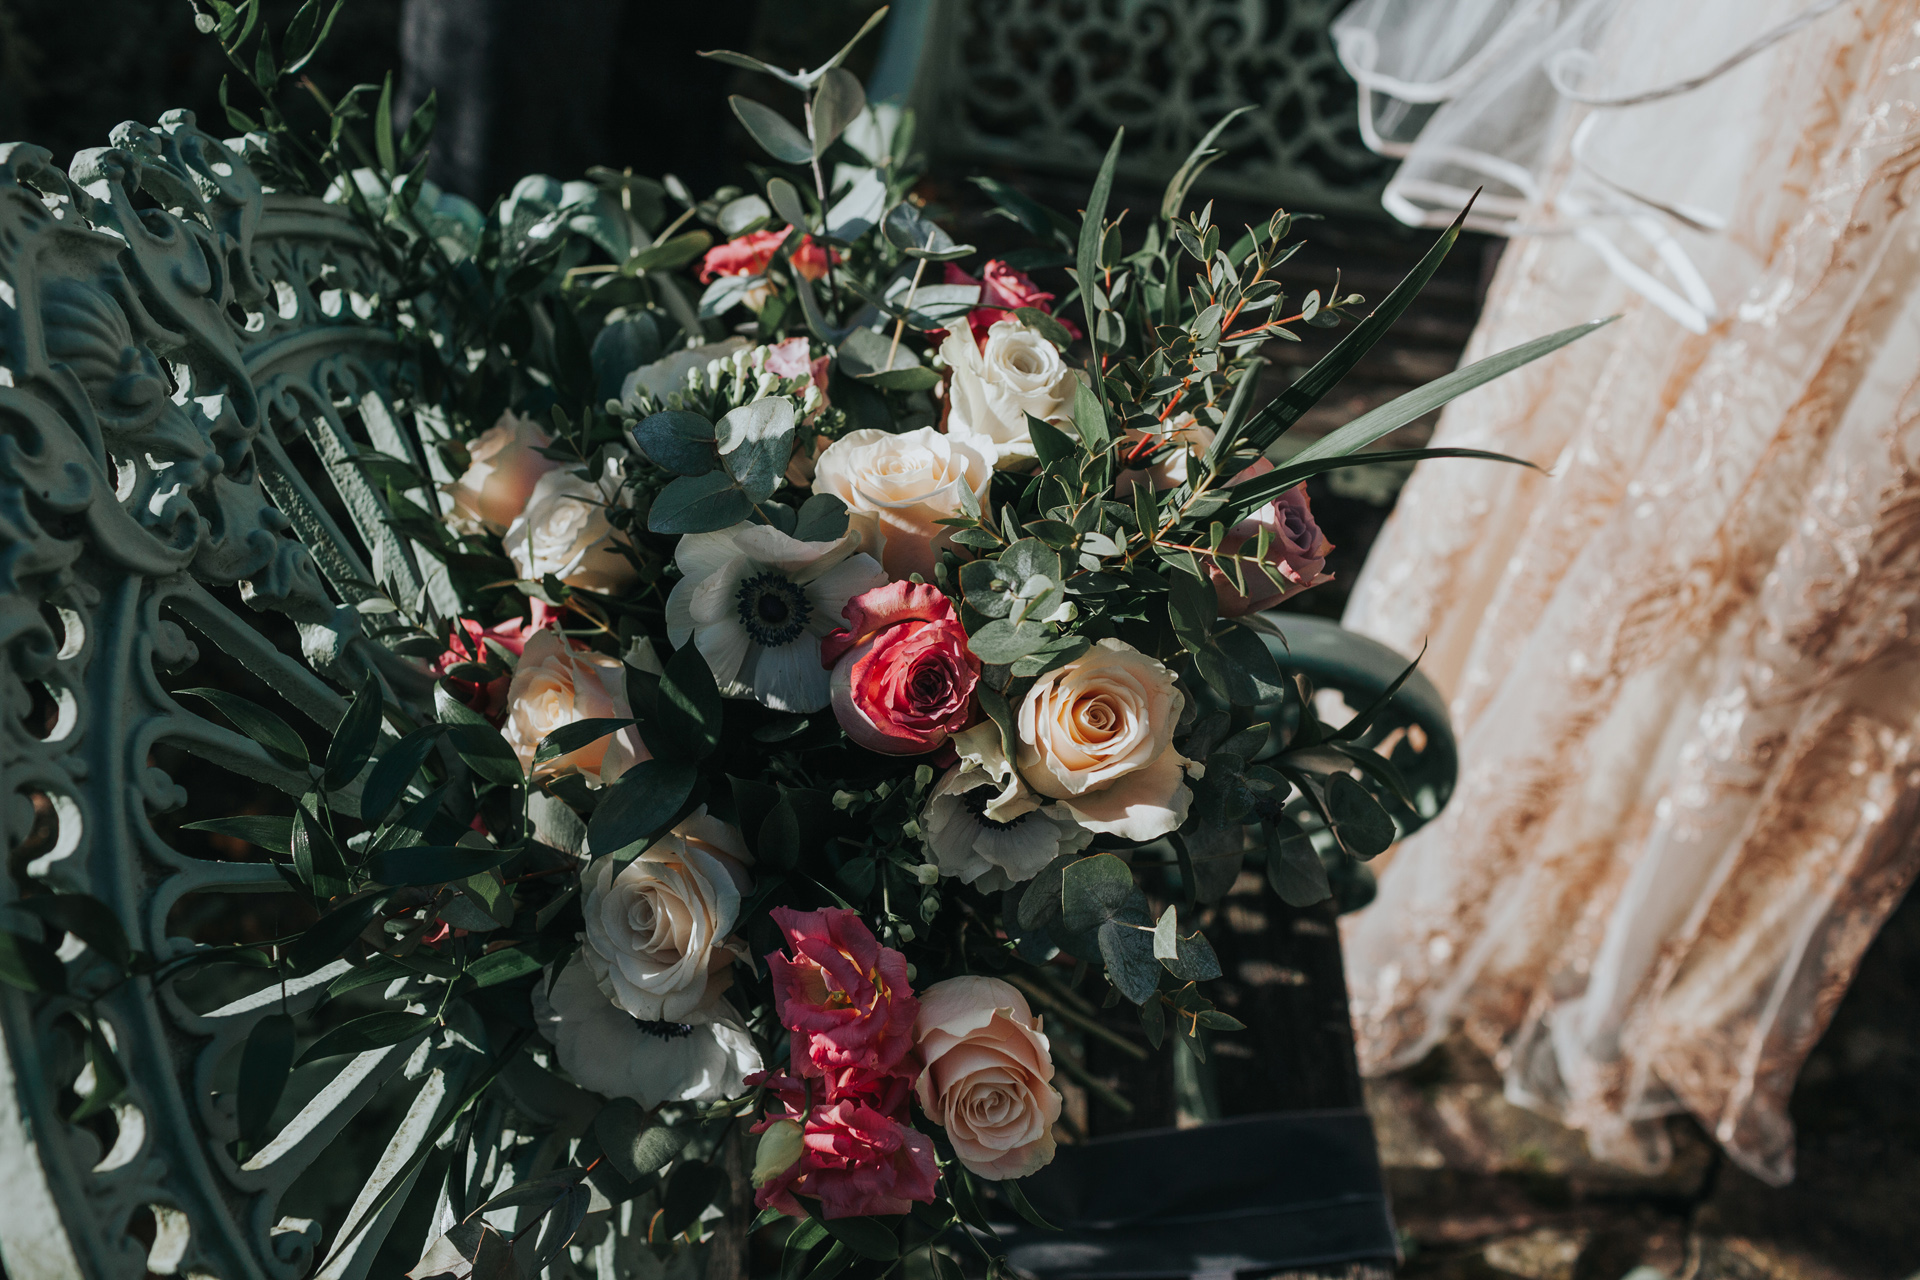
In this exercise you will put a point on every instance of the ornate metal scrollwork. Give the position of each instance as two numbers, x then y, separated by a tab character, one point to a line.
187	366
1043	84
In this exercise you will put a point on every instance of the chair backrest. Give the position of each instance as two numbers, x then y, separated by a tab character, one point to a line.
187	366
1042	85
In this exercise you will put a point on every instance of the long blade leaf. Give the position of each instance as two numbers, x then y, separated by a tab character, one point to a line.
1250	495
1093	230
1401	410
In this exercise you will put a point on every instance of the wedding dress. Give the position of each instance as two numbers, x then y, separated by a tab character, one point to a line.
1685	669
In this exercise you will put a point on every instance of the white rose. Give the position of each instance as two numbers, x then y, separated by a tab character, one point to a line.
987	1074
555	684
898	487
1018	372
502	469
564	531
657	927
1096	735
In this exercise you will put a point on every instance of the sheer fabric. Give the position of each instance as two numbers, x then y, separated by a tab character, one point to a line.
1495	95
1684	668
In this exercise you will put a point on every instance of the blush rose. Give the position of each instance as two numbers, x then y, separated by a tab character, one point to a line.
986	1075
503	466
903	677
1096	734
555	685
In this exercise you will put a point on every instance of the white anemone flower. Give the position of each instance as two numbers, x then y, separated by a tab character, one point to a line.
606	1049
757	601
985	827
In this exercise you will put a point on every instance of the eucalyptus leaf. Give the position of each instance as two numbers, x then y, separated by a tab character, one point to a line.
699	504
775	134
678	441
837	102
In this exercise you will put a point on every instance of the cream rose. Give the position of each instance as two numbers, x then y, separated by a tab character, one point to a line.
556	684
1177	443
657	927
897	487
564	531
986	1074
503	466
995	386
1095	735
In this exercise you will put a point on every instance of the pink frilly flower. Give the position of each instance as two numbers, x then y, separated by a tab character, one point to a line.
857	1160
467	643
1002	288
749	255
845	998
903	676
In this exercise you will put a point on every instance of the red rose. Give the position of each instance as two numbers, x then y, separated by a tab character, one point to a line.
749	255
466	643
903	676
1003	289
1296	553
844	997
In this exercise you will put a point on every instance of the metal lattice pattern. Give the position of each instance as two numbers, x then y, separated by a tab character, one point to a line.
1043	84
187	364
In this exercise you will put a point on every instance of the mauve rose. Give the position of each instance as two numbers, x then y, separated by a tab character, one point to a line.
1297	552
845	998
986	1076
903	676
1002	288
467	643
749	255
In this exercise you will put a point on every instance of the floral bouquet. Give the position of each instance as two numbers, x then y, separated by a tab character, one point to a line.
845	661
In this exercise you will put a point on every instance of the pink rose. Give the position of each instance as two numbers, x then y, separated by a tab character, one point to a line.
845	998
903	676
1297	554
986	1076
857	1160
749	255
467	642
1001	290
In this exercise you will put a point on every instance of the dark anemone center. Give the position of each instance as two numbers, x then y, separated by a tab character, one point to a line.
772	609
664	1030
977	801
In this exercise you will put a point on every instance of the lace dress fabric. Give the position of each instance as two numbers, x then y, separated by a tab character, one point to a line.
1685	668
